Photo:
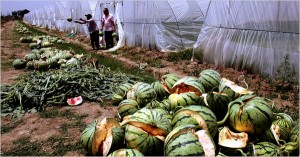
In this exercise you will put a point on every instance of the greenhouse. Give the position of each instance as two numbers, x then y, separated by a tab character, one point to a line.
150	78
252	35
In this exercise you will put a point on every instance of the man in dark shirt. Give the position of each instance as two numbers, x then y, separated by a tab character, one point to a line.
93	29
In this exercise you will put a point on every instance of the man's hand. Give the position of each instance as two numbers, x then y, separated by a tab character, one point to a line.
81	19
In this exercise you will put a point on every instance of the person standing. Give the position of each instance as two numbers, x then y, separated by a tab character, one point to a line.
93	29
108	26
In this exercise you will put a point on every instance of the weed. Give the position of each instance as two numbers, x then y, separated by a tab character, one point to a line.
184	54
23	147
156	63
10	126
286	75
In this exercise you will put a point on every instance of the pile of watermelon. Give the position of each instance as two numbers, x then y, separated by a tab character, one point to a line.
191	116
46	40
22	29
47	58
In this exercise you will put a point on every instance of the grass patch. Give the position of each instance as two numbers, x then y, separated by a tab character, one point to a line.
23	147
61	145
10	126
185	54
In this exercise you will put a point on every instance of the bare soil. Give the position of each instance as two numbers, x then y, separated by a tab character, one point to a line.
40	129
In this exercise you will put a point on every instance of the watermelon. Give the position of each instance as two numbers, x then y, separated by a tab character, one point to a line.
126	152
69	19
87	136
74	101
210	79
40	65
159	90
185	140
217	102
230	142
131	92
232	89
108	137
294	134
168	80
266	149
19	63
127	107
188	84
33	45
114	34
182	100
30	57
100	33
146	130
250	114
200	116
144	94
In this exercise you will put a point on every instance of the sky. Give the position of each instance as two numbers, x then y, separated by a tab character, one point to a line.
7	6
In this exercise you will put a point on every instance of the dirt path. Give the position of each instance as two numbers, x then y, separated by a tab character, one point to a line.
55	131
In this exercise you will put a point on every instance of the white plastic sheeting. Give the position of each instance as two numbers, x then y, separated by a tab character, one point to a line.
251	35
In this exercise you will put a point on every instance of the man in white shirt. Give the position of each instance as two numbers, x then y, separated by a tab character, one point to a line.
109	27
93	29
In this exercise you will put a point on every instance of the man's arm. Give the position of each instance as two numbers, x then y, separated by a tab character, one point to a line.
80	21
113	23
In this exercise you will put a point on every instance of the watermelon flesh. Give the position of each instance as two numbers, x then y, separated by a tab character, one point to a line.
74	101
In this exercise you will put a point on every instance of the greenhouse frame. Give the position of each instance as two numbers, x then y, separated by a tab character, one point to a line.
252	35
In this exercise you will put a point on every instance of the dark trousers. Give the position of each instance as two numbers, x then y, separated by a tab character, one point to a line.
109	39
95	39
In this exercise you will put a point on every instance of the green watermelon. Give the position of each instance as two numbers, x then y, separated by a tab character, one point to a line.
144	94
146	130
188	84
266	149
126	153
19	63
294	134
217	102
127	107
108	137
186	141
200	116
210	79
87	136
168	80
159	90
232	89
182	100
250	114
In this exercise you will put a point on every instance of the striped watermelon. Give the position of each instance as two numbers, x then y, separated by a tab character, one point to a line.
210	79
156	104
270	135
146	130
294	134
284	120
232	89
183	99
108	137
217	102
123	89
186	141
266	149
19	63
168	80
250	114
159	90
87	136
200	116
144	94
126	152
230	142
188	84
131	92
127	107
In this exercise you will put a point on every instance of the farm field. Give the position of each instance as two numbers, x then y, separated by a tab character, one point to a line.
56	130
